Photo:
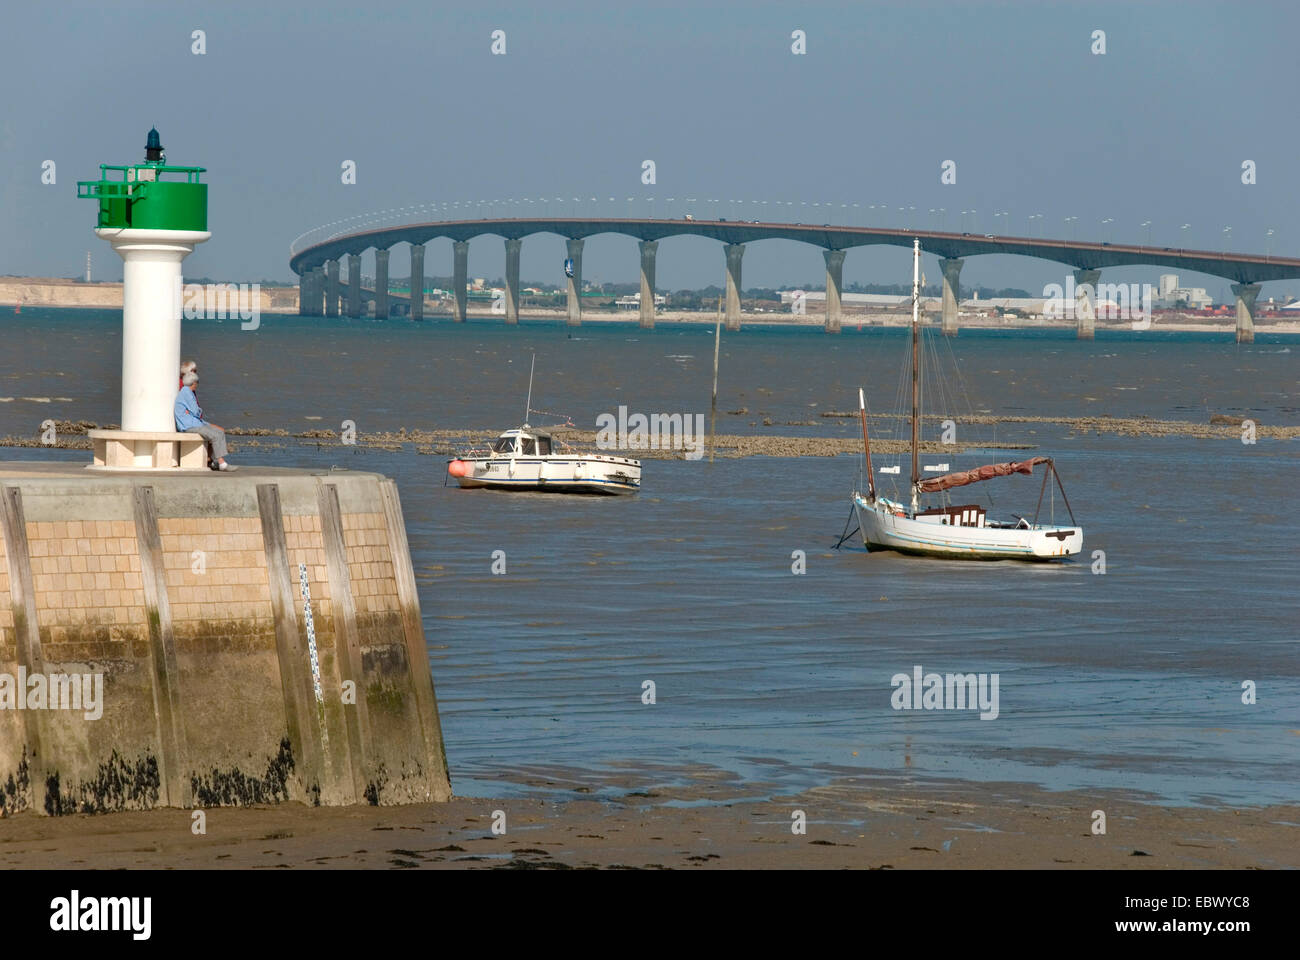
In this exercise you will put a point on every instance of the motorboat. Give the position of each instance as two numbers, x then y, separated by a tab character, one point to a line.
529	459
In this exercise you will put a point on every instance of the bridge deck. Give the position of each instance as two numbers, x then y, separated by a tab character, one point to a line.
1239	267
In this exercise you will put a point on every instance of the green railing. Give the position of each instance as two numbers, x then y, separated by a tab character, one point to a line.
110	190
131	186
148	196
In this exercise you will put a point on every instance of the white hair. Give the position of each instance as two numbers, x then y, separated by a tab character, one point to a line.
190	378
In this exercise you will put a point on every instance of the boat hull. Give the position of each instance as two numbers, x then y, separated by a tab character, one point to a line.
599	475
884	529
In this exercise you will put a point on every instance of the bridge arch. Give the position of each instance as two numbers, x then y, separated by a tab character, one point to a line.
317	264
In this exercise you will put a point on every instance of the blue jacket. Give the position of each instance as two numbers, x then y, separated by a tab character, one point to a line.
188	413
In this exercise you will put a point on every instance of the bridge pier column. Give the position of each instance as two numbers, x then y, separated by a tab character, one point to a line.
951	267
735	251
318	292
354	285
381	284
513	246
834	283
575	282
331	288
649	248
460	278
417	281
304	292
1085	298
1246	294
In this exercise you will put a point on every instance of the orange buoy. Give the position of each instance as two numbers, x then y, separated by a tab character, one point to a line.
460	468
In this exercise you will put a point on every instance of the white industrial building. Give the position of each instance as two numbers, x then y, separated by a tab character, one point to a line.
633	301
1170	295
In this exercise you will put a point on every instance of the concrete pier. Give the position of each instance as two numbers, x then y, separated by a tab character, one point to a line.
381	284
649	248
951	268
1085	300
574	248
417	281
1246	293
513	246
182	595
318	292
354	285
304	292
331	288
460	278
735	251
834	284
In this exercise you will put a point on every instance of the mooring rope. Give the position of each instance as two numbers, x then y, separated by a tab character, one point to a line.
848	533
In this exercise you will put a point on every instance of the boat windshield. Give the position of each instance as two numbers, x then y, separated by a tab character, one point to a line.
526	446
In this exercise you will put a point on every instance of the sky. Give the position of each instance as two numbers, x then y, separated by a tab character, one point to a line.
1037	124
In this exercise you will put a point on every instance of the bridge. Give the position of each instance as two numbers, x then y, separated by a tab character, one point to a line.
317	265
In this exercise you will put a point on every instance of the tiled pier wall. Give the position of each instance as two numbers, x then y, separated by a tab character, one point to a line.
183	591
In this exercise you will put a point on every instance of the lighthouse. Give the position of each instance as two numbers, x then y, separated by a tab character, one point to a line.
153	214
169	638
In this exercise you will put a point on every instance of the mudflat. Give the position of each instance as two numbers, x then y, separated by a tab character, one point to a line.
703	823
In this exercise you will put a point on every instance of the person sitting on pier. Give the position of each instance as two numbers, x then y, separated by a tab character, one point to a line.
189	419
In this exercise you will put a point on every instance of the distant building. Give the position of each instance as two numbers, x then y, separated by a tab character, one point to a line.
1171	295
857	299
633	301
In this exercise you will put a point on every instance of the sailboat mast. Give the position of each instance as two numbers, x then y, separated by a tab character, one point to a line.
528	407
866	445
916	366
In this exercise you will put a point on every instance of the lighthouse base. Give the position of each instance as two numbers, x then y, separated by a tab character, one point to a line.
184	640
142	450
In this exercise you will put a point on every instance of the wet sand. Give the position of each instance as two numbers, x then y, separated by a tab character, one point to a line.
888	822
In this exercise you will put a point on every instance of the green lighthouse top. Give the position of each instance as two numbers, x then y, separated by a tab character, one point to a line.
149	195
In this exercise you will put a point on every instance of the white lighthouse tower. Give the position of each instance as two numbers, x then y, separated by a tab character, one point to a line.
153	215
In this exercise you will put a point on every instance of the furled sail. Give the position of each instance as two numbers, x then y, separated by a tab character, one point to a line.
988	472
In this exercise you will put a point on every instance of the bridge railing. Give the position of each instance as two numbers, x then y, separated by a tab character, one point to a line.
836	213
841	213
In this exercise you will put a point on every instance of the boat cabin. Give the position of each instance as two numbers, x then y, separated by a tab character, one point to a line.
967	516
523	442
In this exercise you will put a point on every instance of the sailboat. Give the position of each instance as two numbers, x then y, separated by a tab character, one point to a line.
955	531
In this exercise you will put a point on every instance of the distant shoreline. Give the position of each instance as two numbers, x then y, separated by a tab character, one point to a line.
60	293
855	321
